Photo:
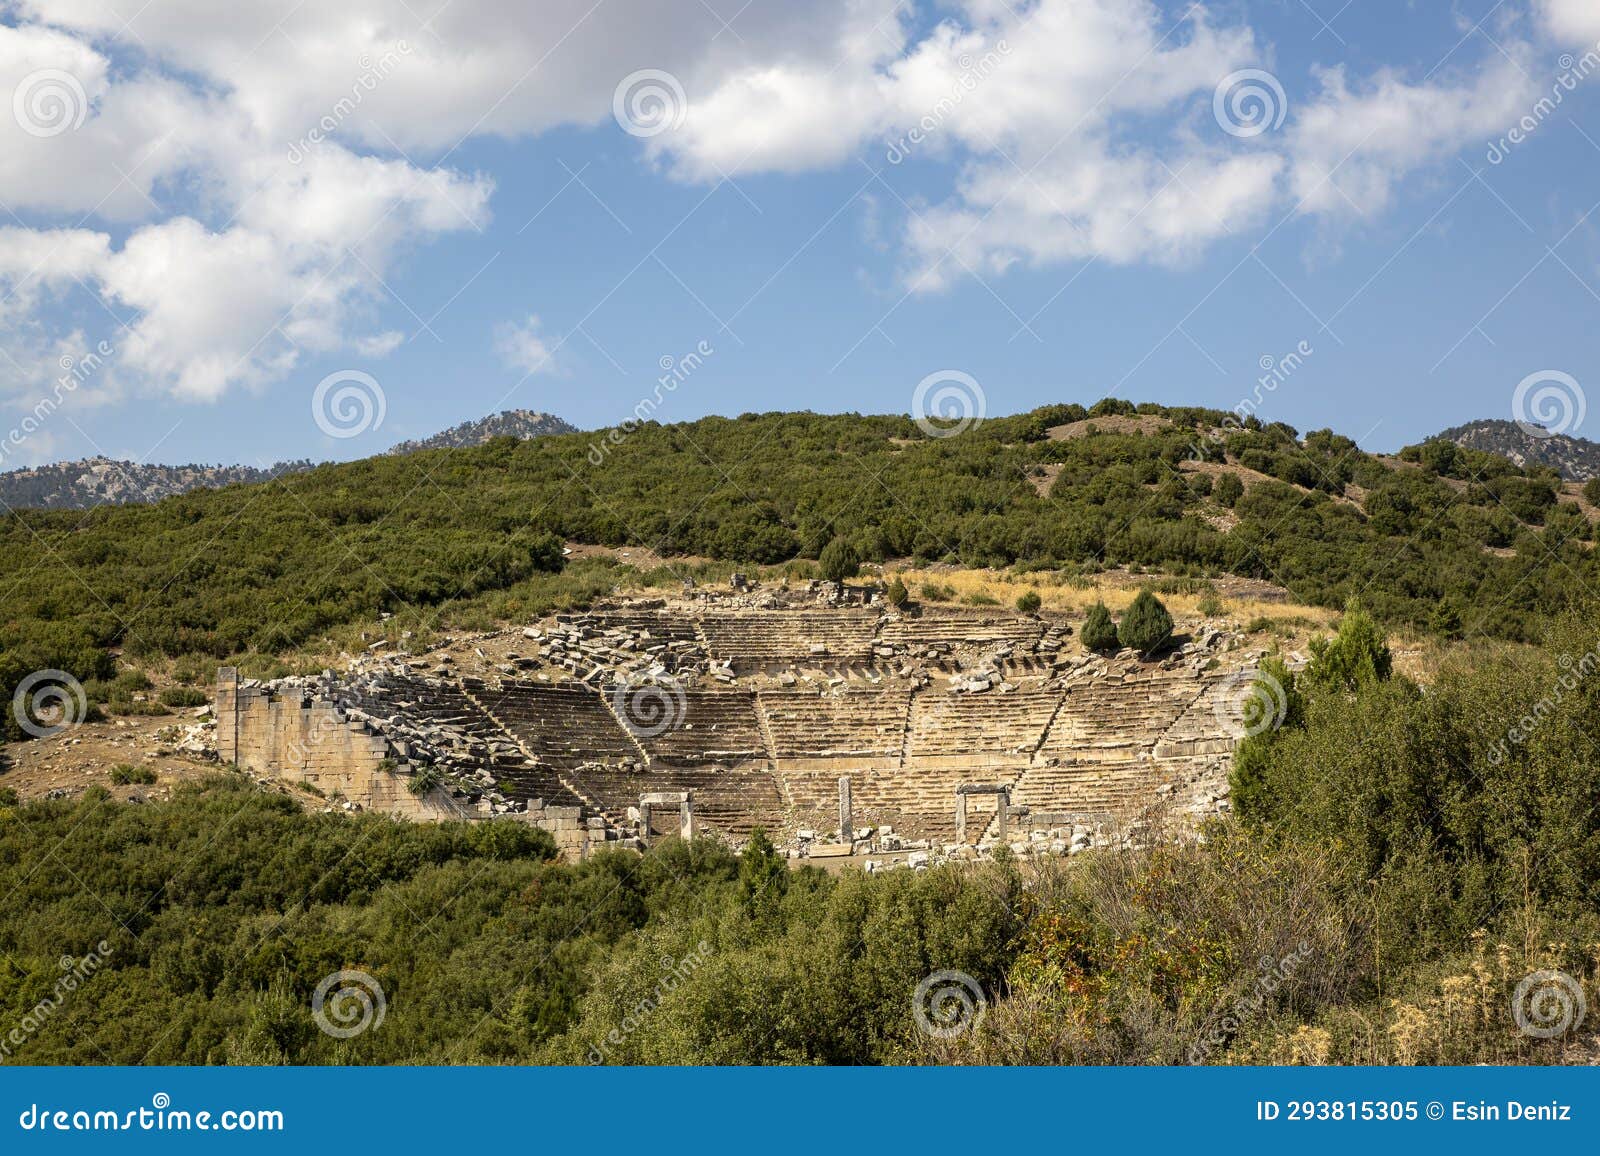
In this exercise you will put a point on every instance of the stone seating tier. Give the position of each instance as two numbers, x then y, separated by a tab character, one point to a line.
791	639
716	727
565	726
855	725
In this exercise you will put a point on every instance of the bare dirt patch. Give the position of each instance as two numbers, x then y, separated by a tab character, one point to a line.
84	756
639	557
1115	423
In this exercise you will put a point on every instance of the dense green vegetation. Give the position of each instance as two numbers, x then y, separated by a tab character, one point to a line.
475	533
225	908
1400	861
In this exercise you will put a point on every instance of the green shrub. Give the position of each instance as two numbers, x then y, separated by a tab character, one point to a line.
839	561
127	775
1030	602
1355	657
425	780
897	595
1228	490
1099	632
1146	626
181	697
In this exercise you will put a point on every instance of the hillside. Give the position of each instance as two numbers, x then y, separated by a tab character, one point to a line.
517	423
1578	459
1433	543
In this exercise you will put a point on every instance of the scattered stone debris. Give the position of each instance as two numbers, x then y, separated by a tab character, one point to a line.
762	692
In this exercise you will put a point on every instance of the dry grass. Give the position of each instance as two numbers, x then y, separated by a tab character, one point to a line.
1062	595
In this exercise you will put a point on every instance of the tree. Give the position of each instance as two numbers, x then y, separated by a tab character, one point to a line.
897	594
1439	456
1354	658
1147	626
763	875
1591	491
839	561
1030	602
1271	703
1099	632
1228	490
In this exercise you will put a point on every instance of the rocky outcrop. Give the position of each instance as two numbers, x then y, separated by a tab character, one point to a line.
516	423
1578	459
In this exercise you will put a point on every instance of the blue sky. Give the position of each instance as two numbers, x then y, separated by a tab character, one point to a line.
1124	244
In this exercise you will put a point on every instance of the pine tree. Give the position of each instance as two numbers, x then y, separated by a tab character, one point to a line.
839	561
763	875
1146	627
1356	657
1099	632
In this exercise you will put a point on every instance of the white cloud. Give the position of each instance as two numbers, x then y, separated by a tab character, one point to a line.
380	344
271	259
522	347
1063	112
194	197
1572	22
1355	143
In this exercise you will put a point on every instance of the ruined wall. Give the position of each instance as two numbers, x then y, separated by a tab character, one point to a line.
311	742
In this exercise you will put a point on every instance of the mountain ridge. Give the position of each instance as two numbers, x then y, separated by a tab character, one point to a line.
1578	459
102	481
518	423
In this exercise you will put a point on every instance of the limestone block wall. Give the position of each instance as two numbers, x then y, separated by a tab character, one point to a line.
311	742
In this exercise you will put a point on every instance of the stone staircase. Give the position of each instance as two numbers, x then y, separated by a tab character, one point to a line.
563	726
